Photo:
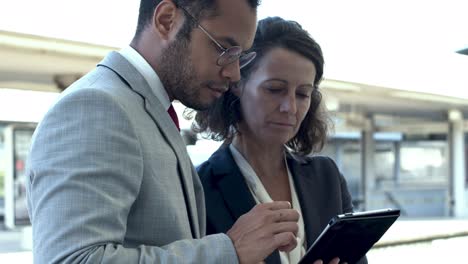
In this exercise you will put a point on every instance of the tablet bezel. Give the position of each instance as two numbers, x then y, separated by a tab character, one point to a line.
325	247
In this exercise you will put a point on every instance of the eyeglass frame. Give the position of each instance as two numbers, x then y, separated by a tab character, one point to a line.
239	54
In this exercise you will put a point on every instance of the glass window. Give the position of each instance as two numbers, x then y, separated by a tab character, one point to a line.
424	162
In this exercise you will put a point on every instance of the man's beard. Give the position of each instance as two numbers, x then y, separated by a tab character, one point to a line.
178	75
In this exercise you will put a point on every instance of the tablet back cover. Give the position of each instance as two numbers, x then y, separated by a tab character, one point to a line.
349	238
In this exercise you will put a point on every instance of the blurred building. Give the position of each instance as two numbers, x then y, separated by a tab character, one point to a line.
397	148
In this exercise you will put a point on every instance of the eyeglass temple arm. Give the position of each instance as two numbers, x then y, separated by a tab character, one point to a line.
200	27
212	39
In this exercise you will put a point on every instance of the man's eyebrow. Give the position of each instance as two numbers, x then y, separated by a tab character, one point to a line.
230	41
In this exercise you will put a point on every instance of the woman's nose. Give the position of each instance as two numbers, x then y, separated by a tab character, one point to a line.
288	104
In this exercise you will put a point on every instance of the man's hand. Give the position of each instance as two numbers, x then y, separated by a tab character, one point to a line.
333	261
263	229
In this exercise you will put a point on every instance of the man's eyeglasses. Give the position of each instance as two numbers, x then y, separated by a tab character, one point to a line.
228	55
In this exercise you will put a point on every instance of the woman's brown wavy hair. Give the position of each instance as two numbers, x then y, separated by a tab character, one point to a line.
220	121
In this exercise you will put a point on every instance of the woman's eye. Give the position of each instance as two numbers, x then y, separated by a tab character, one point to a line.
303	95
275	90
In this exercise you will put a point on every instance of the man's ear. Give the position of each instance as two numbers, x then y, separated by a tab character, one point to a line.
165	19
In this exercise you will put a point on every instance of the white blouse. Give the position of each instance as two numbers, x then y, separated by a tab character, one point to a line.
261	196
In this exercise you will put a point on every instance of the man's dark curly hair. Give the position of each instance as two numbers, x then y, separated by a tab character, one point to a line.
221	120
198	8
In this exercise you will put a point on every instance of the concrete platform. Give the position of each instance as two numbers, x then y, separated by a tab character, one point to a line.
406	231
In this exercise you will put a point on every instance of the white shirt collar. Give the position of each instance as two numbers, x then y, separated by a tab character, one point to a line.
145	69
261	196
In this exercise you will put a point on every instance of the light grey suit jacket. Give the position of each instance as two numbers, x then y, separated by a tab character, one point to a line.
110	180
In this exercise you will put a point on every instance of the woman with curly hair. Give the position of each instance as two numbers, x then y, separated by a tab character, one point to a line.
271	122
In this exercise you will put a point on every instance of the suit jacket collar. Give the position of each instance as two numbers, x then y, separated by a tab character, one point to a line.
305	183
148	73
231	182
125	70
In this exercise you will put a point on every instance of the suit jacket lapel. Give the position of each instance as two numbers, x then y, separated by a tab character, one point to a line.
233	188
231	183
308	195
117	63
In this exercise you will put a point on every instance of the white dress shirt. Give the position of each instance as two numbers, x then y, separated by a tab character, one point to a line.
261	196
145	69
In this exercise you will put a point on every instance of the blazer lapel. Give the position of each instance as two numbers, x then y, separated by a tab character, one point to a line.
117	63
308	195
233	188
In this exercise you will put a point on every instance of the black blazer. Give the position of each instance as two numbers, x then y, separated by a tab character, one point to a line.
321	190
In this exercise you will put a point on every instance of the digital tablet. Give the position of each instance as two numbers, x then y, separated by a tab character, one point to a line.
349	236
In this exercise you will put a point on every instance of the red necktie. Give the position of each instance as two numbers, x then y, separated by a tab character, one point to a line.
173	115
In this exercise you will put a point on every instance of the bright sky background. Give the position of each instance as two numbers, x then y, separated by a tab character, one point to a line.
404	44
407	44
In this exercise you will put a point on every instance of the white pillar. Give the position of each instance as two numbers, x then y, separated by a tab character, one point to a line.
367	162
26	238
456	140
397	165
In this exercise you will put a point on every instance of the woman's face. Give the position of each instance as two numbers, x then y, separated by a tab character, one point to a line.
276	97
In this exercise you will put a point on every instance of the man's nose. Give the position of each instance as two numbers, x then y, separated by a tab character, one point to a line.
231	71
